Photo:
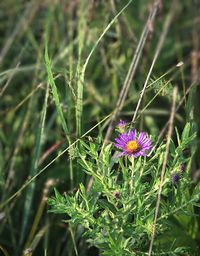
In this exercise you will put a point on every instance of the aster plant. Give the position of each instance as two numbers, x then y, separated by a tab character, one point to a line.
114	210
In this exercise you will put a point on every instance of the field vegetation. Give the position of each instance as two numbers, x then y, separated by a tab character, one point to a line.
69	72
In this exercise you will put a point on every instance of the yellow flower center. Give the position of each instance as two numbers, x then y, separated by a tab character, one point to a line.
132	146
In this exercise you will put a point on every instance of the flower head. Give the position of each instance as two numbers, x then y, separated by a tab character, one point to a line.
133	145
117	194
121	126
175	177
182	168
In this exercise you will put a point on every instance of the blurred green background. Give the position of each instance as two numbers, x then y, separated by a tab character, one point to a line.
31	131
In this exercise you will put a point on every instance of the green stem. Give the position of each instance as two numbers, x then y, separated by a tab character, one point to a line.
132	173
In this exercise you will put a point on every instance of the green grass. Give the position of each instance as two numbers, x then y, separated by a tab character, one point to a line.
62	69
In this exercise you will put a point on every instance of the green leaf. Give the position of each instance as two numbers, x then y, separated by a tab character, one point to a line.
107	205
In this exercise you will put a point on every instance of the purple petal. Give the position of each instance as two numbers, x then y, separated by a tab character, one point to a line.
132	135
144	142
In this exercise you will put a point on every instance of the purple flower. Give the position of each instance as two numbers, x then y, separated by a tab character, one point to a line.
182	168
121	126
133	145
175	177
121	123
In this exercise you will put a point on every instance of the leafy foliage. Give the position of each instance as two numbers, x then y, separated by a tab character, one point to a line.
117	212
63	65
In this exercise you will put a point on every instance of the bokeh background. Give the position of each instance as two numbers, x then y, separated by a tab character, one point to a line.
31	132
